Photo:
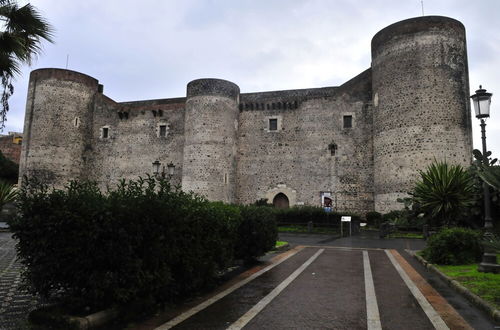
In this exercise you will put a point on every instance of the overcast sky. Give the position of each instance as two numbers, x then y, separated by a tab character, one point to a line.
152	49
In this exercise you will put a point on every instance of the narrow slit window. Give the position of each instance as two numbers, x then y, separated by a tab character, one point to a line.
273	124
105	132
163	130
347	121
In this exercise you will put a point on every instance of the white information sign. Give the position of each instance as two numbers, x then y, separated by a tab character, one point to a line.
345	219
342	220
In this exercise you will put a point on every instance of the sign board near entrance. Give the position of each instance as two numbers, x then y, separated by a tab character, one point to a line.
345	219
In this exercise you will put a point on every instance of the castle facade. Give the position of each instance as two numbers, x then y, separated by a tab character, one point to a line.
358	146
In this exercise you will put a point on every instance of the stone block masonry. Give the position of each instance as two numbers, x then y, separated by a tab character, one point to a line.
361	143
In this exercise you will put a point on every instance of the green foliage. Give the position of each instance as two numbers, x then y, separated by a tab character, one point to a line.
9	170
306	229
492	242
454	246
373	218
7	194
486	169
21	33
304	214
262	202
444	192
142	241
257	232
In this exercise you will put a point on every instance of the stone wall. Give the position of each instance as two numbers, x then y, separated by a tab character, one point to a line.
134	140
57	125
297	155
421	106
10	146
211	124
362	142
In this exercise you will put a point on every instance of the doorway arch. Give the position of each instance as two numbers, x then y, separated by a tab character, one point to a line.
280	201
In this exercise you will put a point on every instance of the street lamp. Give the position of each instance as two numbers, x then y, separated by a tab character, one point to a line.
481	101
170	167
156	167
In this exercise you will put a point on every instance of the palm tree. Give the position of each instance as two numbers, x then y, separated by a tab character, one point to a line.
444	192
21	32
7	194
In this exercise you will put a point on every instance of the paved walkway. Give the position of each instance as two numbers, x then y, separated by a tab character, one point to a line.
15	304
324	282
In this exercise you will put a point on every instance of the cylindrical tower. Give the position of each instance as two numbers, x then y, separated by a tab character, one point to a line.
57	125
421	103
211	124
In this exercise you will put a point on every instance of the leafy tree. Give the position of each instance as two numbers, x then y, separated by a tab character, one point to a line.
444	192
21	32
8	169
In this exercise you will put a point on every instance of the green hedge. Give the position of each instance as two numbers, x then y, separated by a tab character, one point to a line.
304	214
257	233
374	218
142	241
454	246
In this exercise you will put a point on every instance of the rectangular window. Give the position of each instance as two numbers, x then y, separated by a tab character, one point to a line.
273	124
347	121
163	130
105	132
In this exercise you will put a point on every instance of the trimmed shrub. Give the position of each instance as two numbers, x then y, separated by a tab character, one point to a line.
257	232
301	215
454	246
373	218
142	241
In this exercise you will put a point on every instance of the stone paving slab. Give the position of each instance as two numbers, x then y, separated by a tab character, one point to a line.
15	304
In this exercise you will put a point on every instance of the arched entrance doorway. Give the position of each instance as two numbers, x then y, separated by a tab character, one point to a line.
280	201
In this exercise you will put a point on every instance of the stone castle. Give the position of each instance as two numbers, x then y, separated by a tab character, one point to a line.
357	147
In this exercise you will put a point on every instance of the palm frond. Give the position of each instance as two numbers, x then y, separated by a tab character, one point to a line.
20	42
7	193
444	191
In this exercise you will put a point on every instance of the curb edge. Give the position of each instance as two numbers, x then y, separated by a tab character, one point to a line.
473	298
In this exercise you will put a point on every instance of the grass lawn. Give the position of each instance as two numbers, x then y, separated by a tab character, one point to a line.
485	285
280	244
405	235
303	229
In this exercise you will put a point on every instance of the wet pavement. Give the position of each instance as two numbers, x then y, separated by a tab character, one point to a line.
15	303
322	284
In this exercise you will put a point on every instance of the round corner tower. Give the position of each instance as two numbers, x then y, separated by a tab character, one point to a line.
211	124
58	120
421	103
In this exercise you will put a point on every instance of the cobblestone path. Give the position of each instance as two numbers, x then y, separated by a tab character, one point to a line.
15	304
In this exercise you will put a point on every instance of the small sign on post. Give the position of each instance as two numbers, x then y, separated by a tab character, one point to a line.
342	220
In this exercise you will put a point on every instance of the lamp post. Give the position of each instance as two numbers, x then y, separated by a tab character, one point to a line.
481	101
156	169
171	168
